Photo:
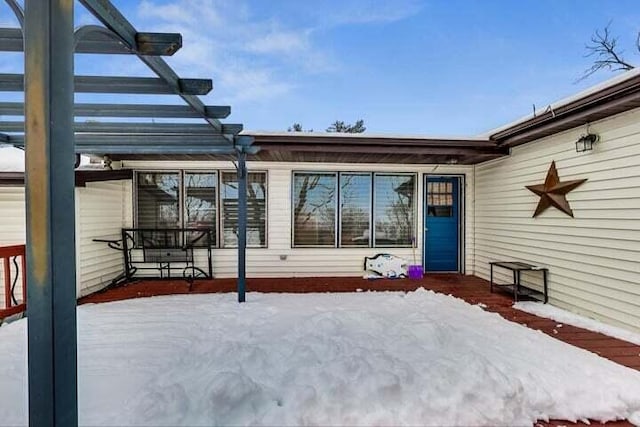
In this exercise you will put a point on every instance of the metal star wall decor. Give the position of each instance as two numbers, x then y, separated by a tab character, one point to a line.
553	192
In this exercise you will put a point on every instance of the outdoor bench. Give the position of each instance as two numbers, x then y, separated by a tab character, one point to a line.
519	290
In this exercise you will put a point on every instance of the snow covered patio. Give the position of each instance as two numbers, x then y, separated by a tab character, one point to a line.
361	358
332	358
469	288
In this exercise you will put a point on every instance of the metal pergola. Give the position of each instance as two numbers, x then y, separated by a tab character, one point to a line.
51	137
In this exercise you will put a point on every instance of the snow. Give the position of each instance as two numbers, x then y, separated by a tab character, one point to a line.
560	315
11	159
367	358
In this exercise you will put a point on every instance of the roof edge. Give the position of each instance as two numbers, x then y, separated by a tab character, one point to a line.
615	87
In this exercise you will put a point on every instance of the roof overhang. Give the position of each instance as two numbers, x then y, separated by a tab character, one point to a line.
613	97
369	148
83	176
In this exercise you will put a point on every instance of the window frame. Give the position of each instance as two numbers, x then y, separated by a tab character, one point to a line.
338	209
218	241
136	209
266	207
414	212
292	198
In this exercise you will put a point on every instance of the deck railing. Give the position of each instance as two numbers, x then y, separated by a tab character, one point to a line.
12	271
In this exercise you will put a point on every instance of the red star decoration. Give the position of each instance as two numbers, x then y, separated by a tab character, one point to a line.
553	192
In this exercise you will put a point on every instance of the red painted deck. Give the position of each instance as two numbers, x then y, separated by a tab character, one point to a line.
472	289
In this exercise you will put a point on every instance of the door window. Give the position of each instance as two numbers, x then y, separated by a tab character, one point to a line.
440	199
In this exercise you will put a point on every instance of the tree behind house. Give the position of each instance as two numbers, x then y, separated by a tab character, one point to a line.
340	126
606	53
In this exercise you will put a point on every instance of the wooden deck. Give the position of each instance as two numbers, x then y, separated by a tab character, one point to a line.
472	289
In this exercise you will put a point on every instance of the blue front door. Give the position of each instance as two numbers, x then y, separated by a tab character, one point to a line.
442	223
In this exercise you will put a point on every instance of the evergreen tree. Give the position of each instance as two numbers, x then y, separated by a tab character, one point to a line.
340	126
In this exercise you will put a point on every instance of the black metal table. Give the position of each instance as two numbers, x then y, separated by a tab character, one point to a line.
519	290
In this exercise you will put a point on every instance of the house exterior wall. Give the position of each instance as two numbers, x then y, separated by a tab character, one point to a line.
593	259
101	211
12	226
310	262
12	212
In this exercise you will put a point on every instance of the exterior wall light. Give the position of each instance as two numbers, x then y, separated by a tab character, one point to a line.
585	142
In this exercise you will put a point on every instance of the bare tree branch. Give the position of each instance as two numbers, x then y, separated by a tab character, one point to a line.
606	53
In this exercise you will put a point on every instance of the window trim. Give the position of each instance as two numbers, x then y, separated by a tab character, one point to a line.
134	192
335	220
218	243
266	207
414	243
338	209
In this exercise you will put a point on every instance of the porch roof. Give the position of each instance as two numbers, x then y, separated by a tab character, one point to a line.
354	148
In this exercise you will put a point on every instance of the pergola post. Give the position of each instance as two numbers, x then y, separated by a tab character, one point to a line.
51	297
242	223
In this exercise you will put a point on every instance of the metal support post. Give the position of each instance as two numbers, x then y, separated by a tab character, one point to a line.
242	223
50	244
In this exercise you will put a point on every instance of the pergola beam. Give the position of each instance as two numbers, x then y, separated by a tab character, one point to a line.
150	140
157	44
111	18
136	128
129	110
113	84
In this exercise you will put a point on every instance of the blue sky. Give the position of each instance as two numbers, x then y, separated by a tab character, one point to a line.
404	66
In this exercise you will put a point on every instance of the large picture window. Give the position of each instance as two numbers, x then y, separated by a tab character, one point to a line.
353	209
183	199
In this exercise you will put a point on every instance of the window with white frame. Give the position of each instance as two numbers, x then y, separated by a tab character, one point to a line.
192	199
394	210
314	209
158	199
353	209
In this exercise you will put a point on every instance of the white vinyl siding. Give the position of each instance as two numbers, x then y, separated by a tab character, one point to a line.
101	213
12	212
12	228
280	259
593	259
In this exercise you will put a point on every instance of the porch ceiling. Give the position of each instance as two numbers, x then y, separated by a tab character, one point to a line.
349	148
353	148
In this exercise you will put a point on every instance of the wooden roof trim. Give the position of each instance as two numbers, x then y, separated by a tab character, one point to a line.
626	92
16	179
329	140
